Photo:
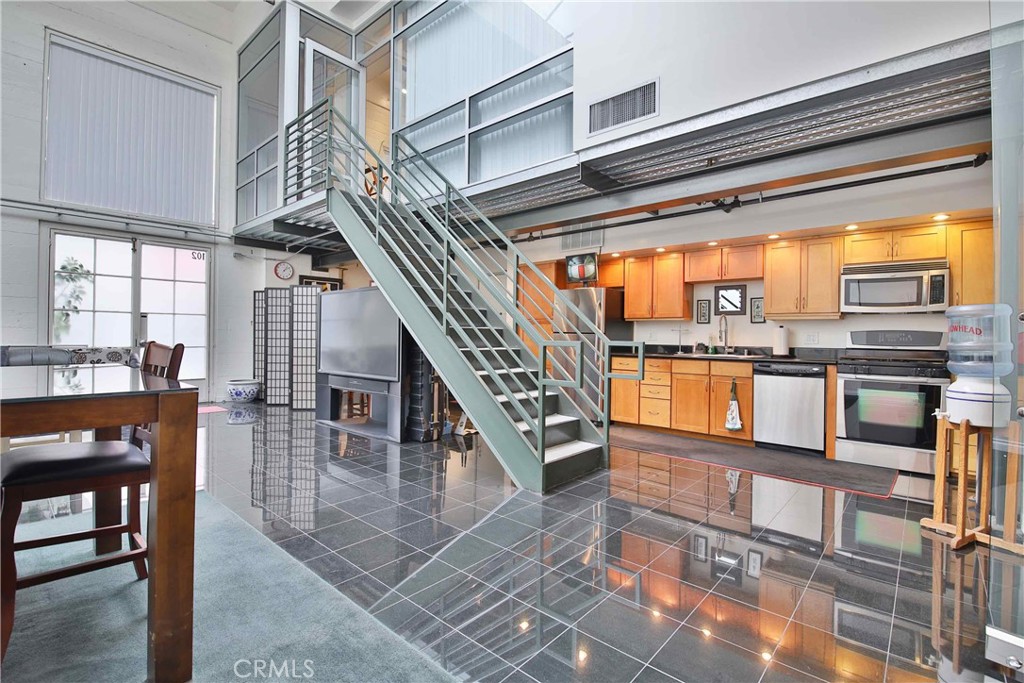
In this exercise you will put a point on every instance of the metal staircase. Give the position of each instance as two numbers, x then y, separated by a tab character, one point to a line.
478	308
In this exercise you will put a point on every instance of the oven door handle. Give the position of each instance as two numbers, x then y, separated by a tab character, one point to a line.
934	381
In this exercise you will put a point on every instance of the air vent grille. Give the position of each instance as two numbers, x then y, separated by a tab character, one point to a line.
629	106
899	267
583	240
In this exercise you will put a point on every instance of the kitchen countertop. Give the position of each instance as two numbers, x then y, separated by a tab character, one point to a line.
820	356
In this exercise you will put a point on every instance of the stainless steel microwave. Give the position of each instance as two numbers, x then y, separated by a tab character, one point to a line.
921	287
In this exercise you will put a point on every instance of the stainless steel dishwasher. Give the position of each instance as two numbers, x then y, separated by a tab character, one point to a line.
789	406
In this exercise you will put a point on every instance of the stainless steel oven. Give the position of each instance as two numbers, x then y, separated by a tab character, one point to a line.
888	421
901	638
921	287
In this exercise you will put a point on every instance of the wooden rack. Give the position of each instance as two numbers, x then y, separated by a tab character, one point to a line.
960	534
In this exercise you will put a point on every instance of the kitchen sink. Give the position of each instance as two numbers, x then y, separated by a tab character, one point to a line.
719	355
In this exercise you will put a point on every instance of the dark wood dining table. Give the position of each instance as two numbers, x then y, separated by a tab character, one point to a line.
171	406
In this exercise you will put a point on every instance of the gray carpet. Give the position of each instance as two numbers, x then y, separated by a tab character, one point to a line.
831	474
253	602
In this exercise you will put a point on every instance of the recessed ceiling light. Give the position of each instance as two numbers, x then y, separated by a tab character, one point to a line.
660	249
766	656
524	624
706	631
940	217
656	614
404	91
616	254
852	226
773	236
581	656
712	244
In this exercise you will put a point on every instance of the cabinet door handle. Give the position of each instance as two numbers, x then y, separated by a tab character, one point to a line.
896	249
888	249
804	307
796	303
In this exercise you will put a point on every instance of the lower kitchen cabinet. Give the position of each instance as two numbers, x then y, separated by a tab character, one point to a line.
625	401
721	393
655	412
691	398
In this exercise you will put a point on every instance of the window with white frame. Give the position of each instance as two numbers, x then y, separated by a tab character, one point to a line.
127	136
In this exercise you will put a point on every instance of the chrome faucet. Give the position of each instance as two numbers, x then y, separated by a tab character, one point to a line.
723	332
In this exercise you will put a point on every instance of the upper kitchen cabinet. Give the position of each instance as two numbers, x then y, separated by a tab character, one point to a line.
611	273
910	244
801	278
536	297
727	263
654	288
971	263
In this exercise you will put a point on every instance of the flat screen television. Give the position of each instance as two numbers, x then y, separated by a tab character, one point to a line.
360	335
581	268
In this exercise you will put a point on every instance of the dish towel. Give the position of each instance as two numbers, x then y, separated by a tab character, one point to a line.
732	415
732	478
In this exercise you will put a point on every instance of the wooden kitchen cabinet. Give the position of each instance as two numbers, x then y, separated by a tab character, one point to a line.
727	263
810	633
638	281
654	288
655	412
691	400
720	396
625	401
611	273
704	266
801	278
670	297
536	297
971	251
909	244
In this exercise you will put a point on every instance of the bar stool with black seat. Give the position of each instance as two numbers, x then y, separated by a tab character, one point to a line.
51	470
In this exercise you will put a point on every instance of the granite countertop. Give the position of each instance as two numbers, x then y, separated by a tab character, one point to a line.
820	356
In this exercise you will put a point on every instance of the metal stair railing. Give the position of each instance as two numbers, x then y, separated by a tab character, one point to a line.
537	291
324	151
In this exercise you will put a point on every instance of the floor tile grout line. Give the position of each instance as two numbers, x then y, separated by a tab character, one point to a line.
896	596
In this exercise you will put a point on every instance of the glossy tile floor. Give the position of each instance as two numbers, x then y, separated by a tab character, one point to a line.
499	584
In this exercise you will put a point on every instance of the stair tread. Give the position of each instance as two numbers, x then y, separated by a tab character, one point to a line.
567	450
520	395
552	420
503	371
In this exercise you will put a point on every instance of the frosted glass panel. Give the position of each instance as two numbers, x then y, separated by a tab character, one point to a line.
74	253
157	262
451	162
160	328
189	298
531	138
193	363
190	330
113	329
464	46
245	203
113	257
157	297
530	86
266	192
440	128
373	35
72	328
113	293
190	264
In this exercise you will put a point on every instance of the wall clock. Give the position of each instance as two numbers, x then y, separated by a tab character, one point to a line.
284	270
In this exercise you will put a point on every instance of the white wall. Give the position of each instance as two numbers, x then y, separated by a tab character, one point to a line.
198	39
710	55
970	189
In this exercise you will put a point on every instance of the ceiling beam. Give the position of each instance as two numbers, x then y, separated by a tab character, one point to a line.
333	259
278	246
296	230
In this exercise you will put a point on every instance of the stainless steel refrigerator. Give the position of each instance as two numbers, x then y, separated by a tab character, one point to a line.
604	308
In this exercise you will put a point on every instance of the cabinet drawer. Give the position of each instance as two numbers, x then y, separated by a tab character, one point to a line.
622	459
622	480
631	364
690	367
732	368
626	494
655	391
652	489
658	365
660	378
654	461
655	412
688	510
656	476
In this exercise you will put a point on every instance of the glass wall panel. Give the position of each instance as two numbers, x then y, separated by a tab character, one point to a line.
530	86
373	35
325	34
439	128
531	138
258	103
463	46
408	11
268	35
450	160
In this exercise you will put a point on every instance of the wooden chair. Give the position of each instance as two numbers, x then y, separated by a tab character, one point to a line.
50	470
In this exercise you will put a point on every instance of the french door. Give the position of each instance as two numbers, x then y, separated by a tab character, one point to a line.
330	74
111	291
